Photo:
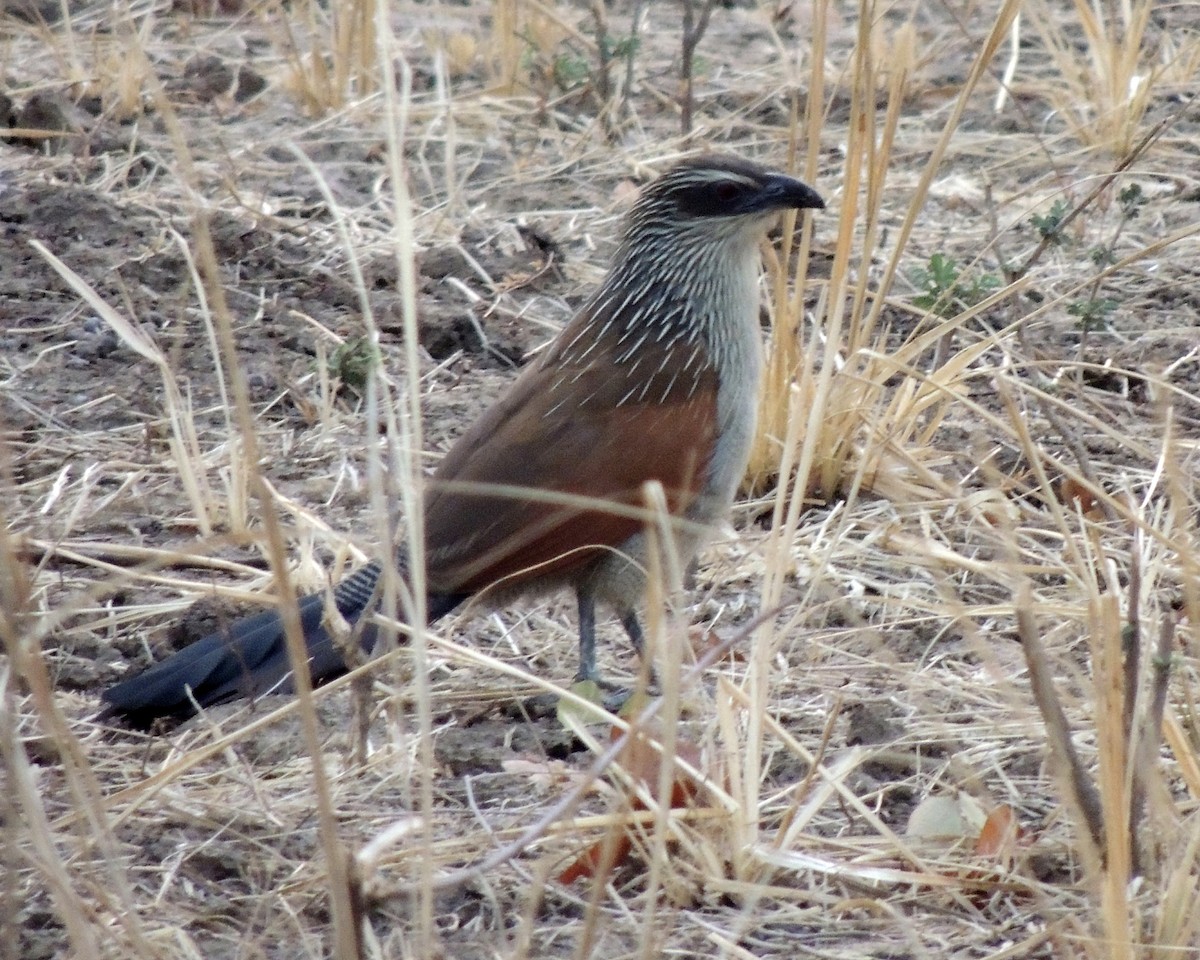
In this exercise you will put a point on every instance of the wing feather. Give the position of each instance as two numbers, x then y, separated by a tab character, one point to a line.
597	427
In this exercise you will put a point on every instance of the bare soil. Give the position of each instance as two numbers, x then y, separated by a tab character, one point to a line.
516	199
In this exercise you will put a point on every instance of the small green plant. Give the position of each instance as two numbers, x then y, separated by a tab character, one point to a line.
945	291
352	361
1050	226
1092	313
570	71
1131	201
620	48
612	97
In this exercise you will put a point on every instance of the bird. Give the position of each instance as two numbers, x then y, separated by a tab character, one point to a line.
655	378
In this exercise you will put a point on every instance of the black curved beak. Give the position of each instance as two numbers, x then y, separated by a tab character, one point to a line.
780	192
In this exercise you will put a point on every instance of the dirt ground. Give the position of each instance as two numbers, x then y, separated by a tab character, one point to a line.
895	658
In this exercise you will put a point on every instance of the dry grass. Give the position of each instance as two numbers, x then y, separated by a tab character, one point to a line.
977	583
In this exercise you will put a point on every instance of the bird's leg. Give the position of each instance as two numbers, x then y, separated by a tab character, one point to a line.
587	636
634	629
637	639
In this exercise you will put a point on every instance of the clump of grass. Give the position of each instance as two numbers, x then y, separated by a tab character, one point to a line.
352	363
1107	82
331	51
831	403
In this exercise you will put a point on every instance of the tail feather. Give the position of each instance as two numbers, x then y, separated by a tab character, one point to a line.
249	658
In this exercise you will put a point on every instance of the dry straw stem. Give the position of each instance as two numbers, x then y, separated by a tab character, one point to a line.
236	502
506	44
948	384
695	23
523	26
1110	812
25	665
405	463
827	412
394	594
1083	797
346	924
664	583
22	795
184	445
848	386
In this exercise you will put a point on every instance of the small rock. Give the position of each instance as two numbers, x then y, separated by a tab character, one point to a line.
250	83
208	77
49	112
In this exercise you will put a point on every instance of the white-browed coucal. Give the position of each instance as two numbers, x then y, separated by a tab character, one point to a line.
655	379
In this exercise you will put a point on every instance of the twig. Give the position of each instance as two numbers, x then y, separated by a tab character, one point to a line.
1127	161
602	78
1149	736
1131	637
1080	789
693	31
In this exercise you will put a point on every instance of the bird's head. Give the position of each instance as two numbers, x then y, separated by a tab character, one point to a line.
717	197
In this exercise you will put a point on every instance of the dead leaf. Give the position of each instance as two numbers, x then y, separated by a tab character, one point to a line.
1000	834
1072	492
641	760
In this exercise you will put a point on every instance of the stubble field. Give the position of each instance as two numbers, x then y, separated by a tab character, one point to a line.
983	396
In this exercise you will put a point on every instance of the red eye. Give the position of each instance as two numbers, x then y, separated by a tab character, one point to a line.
726	192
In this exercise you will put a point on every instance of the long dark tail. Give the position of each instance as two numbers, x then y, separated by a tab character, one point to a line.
248	658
